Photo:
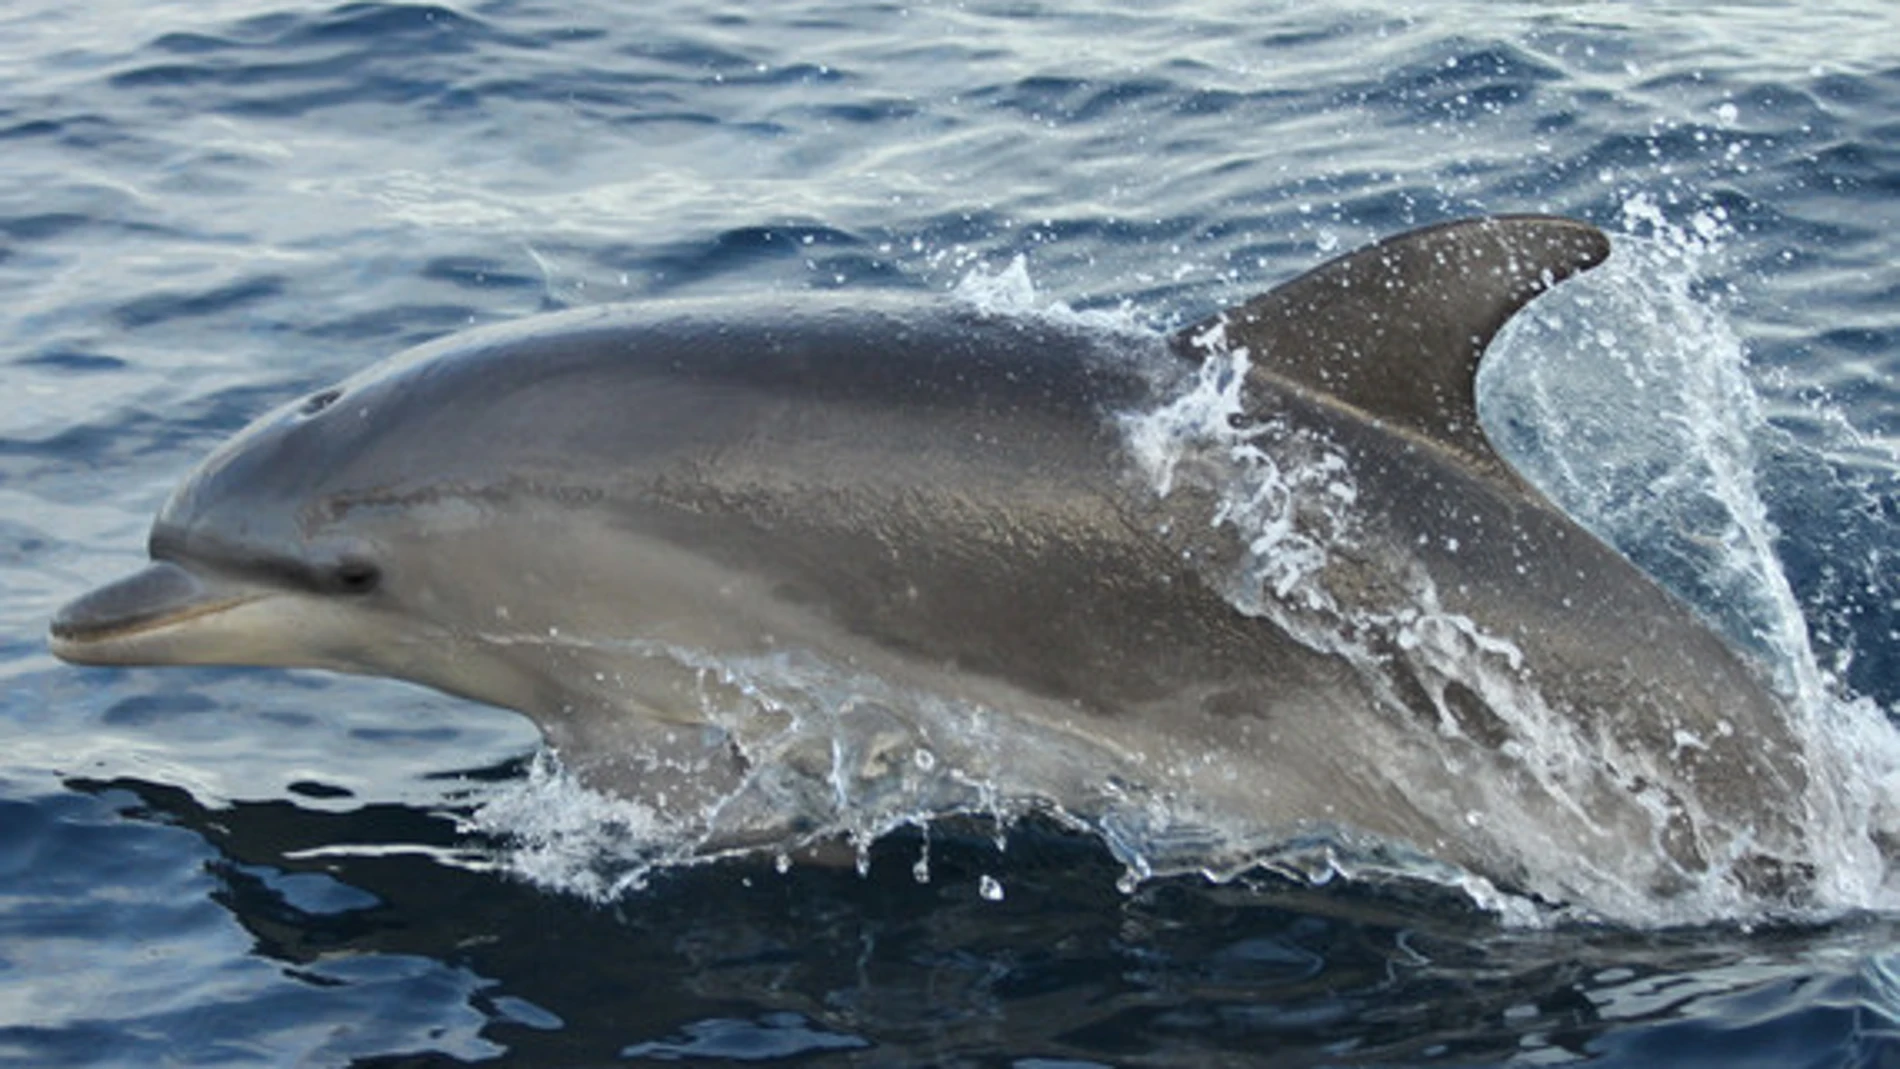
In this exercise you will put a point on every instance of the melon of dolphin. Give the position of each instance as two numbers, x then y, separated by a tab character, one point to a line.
601	517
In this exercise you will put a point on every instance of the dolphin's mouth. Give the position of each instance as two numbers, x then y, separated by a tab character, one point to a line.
94	628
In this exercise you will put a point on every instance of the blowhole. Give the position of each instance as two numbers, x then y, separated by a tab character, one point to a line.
317	402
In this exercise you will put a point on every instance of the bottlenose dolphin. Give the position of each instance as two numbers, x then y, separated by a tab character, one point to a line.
1003	545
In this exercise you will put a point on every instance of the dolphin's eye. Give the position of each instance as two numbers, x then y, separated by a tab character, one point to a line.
356	576
317	402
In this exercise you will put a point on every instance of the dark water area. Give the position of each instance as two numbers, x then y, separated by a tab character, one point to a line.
207	210
742	962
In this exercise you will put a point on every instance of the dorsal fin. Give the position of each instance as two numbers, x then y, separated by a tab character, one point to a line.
1396	329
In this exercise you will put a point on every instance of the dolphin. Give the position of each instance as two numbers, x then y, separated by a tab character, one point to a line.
721	550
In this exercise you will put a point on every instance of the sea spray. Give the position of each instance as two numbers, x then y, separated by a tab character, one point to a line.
1627	397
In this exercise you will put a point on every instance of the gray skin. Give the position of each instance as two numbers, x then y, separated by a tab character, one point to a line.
573	515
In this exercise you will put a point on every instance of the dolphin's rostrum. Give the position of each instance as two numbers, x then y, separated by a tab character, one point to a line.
622	521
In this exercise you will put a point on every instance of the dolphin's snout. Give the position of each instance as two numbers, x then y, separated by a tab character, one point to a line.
158	594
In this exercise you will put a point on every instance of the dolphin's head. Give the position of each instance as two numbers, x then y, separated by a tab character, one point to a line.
335	532
474	516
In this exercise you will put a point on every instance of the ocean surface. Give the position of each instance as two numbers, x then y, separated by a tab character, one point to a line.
207	209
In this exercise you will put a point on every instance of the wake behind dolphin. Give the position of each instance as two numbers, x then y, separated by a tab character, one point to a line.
747	562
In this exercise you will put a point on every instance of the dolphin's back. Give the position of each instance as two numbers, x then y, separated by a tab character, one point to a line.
930	477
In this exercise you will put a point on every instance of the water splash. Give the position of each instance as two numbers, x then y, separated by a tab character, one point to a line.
1010	290
1002	291
1287	496
838	757
1631	407
563	835
1626	397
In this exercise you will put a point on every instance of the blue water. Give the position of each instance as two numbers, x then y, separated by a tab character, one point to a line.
207	209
